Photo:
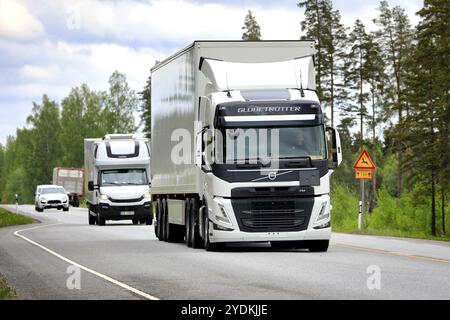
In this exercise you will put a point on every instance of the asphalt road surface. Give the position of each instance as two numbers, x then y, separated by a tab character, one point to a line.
125	261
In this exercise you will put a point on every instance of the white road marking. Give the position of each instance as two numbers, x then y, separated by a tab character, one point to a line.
96	273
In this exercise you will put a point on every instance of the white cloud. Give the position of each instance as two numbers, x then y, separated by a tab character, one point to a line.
17	22
163	21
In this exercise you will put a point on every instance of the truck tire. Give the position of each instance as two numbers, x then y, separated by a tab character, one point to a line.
187	225
149	221
100	221
135	221
318	245
196	241
159	228
91	218
206	242
164	220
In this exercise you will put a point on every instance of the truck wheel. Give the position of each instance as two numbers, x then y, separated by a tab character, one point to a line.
318	245
100	221
135	221
91	218
196	241
163	220
149	221
157	220
187	225
206	243
160	220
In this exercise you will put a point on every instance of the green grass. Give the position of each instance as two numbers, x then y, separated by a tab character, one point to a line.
392	233
6	292
11	219
407	217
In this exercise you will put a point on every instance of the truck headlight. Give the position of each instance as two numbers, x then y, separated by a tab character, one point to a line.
324	214
103	197
147	196
222	215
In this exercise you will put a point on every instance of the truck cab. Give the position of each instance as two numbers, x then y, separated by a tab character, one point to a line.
117	179
262	155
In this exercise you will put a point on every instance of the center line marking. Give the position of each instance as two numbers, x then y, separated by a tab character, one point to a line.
96	273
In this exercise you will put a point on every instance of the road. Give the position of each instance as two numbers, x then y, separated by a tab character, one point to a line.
125	261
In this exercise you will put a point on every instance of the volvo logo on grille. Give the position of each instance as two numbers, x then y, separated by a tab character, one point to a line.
272	175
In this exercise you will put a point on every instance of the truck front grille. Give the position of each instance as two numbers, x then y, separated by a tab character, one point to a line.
126	200
273	214
269	223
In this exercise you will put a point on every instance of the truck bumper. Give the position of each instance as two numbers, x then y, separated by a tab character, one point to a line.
267	219
127	212
239	236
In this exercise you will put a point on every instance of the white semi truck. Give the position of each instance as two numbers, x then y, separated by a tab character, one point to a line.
72	181
117	179
241	150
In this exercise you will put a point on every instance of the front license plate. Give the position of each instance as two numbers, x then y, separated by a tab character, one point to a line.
127	213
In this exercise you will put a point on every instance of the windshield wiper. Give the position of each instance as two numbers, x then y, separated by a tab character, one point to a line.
308	158
255	162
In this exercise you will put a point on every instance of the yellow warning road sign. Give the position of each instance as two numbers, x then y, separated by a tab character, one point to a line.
364	162
364	174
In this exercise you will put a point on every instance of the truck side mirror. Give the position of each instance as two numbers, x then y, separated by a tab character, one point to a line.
335	154
91	185
203	140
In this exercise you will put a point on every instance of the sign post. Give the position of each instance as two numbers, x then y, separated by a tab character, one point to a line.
17	203
364	171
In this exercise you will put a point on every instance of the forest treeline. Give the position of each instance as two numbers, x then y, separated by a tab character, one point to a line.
386	90
55	134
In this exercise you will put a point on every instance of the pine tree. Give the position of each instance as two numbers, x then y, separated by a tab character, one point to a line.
312	27
251	27
323	24
428	79
356	76
395	39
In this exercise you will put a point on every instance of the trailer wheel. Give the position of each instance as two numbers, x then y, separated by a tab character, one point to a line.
187	224
196	241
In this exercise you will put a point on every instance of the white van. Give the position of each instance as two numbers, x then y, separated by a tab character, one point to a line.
117	179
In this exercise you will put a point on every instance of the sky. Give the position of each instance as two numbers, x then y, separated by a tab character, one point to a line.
49	46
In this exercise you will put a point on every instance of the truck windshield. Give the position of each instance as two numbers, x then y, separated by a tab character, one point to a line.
123	177
281	143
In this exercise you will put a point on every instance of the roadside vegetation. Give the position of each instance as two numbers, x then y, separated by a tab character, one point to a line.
6	292
385	90
405	217
11	219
